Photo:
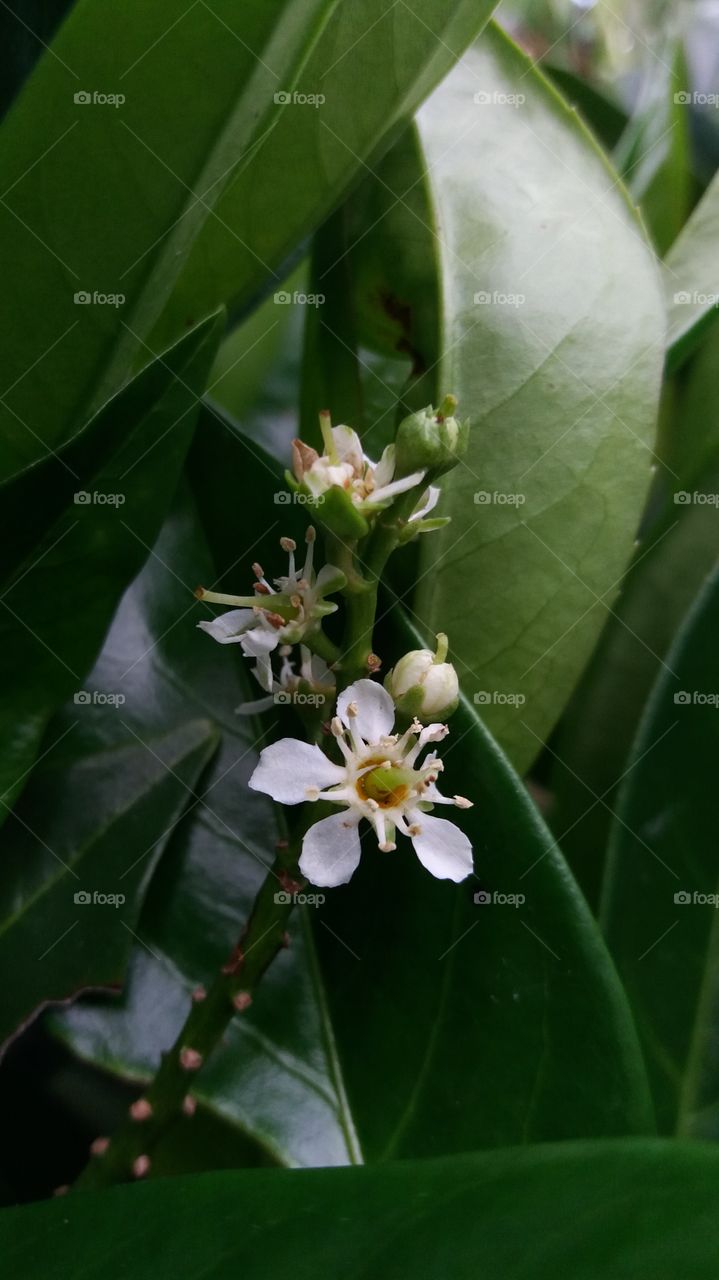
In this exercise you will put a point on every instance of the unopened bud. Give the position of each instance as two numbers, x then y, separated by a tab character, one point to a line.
422	684
432	440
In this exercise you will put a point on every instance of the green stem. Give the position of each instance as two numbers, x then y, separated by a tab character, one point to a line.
127	1154
361	601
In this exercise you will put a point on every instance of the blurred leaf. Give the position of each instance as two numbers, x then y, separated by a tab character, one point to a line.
588	1210
560	384
605	117
372	66
58	602
654	155
94	827
691	278
25	27
105	198
275	1076
662	885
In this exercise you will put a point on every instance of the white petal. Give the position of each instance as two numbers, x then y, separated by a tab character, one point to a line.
442	848
288	767
229	627
260	641
328	574
348	446
397	486
384	470
431	498
331	850
375	710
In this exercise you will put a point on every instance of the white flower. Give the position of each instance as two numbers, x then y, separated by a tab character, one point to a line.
278	615
380	780
423	684
343	463
314	674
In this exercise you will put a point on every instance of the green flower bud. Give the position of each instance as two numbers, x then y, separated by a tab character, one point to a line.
431	439
423	685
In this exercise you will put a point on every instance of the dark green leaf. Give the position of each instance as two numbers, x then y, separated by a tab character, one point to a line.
58	602
662	886
276	1076
590	1211
105	197
78	853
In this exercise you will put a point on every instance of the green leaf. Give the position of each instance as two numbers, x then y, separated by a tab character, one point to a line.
528	990
653	154
587	1210
106	197
276	1076
676	550
662	885
561	388
691	279
107	497
437	999
373	65
78	853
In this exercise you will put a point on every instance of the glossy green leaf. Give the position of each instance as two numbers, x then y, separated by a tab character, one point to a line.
105	194
691	278
470	992
509	1000
107	497
587	1210
662	885
372	67
276	1076
677	549
552	340
78	853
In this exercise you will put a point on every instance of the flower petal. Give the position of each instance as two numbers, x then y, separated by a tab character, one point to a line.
375	710
348	446
397	486
427	502
288	767
228	628
384	470
442	848
331	850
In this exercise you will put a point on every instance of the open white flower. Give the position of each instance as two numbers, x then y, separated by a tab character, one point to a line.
278	615
380	780
343	463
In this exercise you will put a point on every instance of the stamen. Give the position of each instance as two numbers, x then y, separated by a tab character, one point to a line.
328	438
463	803
312	793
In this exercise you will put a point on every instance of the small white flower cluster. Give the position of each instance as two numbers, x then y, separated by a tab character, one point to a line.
277	618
